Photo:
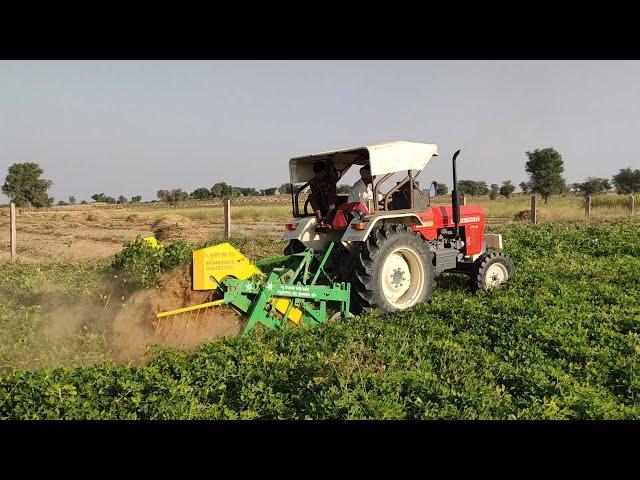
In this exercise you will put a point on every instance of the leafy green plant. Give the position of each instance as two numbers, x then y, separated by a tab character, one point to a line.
141	264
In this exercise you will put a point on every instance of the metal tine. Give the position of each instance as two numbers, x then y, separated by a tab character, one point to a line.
161	326
208	317
205	316
201	313
180	322
169	326
195	320
176	325
183	326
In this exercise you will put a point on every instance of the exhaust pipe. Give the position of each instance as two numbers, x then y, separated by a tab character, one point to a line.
455	204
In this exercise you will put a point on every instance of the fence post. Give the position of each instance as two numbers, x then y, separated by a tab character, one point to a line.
227	218
632	204
587	207
464	199
534	209
12	231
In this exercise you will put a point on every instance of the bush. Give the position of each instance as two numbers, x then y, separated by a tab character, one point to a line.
141	265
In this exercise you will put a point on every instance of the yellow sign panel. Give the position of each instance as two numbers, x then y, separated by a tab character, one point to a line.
212	264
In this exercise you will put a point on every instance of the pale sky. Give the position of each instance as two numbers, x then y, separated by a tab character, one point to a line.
134	127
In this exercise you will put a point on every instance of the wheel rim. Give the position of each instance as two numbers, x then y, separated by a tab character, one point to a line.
402	277
495	275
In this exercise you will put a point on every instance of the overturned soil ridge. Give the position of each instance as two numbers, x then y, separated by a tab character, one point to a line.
525	215
134	326
170	227
138	218
97	217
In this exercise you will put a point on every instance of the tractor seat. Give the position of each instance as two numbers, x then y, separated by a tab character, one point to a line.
344	214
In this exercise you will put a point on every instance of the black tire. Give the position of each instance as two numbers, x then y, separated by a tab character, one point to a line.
371	259
294	246
484	277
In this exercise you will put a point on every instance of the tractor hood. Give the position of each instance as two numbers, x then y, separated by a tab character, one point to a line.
383	158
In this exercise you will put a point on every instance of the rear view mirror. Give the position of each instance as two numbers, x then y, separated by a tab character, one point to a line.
432	190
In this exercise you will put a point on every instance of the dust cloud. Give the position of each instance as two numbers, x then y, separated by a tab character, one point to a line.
130	321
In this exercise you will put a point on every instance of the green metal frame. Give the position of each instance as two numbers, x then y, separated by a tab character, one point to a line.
298	283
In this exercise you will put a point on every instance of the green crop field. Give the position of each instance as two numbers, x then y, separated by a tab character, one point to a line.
562	340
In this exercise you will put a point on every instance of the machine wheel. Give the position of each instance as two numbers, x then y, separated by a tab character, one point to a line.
393	270
491	271
294	246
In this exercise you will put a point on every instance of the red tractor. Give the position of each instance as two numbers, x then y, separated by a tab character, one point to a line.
392	246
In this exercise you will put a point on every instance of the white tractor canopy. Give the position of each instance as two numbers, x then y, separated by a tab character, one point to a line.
389	157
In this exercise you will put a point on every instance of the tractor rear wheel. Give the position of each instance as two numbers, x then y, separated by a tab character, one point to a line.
492	270
393	270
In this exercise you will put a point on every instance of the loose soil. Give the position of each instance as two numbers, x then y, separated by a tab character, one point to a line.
134	326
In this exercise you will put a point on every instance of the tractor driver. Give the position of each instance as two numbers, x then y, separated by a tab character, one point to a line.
323	197
361	190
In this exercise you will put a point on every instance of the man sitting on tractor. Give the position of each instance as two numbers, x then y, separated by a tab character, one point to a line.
324	197
361	190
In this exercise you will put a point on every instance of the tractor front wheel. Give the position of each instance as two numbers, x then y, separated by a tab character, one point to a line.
491	271
393	270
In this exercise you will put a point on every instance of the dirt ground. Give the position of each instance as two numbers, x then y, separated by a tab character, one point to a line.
52	237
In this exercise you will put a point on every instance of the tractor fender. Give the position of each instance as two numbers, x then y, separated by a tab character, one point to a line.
305	232
353	235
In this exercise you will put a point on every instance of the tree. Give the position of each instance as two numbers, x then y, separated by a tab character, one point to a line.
110	200
342	189
173	196
545	169
221	190
201	193
593	186
270	191
62	203
136	199
163	195
441	189
472	187
627	181
99	197
83	202
507	188
72	200
526	187
495	190
122	199
248	191
284	188
24	186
